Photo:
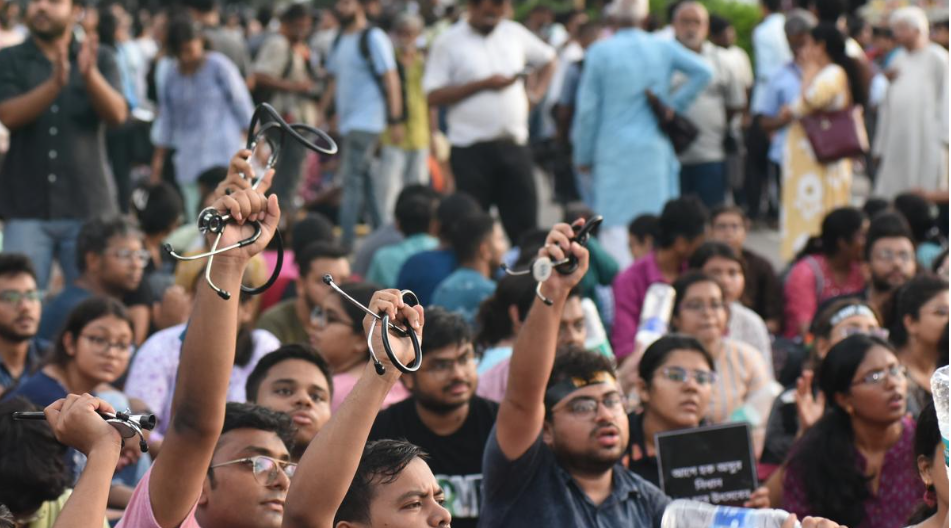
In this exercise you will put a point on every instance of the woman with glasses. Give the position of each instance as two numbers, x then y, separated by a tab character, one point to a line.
339	337
921	315
744	386
91	352
855	465
674	387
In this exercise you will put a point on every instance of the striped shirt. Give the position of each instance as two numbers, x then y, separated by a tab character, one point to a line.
741	373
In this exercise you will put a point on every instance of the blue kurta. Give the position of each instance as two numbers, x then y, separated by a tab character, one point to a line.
634	168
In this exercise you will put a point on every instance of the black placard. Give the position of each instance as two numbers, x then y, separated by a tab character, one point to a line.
712	464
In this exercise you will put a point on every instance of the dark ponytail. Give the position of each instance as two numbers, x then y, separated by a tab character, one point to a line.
841	224
825	459
828	34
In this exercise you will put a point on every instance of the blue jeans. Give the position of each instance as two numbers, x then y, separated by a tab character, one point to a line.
706	181
43	240
356	178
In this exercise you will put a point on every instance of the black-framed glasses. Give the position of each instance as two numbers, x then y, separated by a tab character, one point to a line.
14	297
876	377
681	375
445	366
322	318
265	468
586	407
103	345
888	255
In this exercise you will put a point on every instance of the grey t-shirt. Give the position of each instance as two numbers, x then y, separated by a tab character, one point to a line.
708	111
534	490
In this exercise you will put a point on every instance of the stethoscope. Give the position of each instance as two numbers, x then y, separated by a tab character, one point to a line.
212	221
411	300
542	267
128	425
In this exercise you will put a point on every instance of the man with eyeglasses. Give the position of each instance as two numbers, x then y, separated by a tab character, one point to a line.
444	417
111	261
20	351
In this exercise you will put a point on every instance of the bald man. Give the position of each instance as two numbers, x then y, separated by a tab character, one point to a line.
703	164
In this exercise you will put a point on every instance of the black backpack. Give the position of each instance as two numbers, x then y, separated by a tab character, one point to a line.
364	46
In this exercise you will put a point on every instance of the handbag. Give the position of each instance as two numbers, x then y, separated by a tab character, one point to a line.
678	128
836	135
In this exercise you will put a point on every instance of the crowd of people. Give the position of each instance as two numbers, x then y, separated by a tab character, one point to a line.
535	403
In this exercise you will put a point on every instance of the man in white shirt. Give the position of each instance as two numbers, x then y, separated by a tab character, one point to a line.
770	49
477	69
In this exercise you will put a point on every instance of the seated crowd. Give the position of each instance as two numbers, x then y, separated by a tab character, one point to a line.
524	411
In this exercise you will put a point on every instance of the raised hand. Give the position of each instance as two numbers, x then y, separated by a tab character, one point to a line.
241	175
245	207
88	58
76	423
808	407
558	245
390	302
61	68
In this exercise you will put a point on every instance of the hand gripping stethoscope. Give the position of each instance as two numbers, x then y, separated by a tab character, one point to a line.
411	300
541	268
128	425
211	220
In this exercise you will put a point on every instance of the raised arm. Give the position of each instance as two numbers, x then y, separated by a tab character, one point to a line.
330	462
100	80
75	423
198	405
522	411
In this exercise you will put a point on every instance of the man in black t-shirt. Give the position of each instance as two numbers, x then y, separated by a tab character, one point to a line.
444	416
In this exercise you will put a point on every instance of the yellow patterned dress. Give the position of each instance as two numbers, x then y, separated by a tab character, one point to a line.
811	189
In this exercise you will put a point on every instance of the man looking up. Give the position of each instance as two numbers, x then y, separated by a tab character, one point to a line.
296	381
444	417
56	96
20	352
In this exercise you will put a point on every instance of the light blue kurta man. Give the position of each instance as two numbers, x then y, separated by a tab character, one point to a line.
634	168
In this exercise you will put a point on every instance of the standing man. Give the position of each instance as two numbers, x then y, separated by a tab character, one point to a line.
614	124
367	94
20	352
478	70
703	164
219	38
282	78
56	95
444	416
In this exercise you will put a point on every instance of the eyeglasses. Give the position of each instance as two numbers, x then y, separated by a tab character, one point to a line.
876	377
445	366
102	345
321	318
700	306
888	255
140	256
727	227
265	468
587	407
880	333
14	297
681	375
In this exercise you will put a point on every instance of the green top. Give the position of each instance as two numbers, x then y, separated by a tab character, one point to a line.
416	135
386	263
46	516
281	320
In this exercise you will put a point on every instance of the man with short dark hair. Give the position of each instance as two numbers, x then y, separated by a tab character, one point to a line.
444	416
641	233
297	381
56	96
111	260
414	219
290	320
486	71
680	232
479	245
365	89
219	38
889	259
20	351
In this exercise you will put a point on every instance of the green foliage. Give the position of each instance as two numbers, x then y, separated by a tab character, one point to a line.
743	16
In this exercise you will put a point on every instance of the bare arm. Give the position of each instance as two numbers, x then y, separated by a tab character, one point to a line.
523	410
207	357
451	95
394	94
109	104
282	85
542	79
330	462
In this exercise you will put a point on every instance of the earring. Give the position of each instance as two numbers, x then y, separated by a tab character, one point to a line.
930	497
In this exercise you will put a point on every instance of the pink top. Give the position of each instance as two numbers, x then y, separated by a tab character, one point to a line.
630	288
343	384
289	273
493	382
899	487
139	514
810	282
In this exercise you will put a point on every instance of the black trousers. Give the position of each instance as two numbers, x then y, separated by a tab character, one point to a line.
499	173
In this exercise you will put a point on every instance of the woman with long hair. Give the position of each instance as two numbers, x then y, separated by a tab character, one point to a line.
921	317
853	466
831	81
829	266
